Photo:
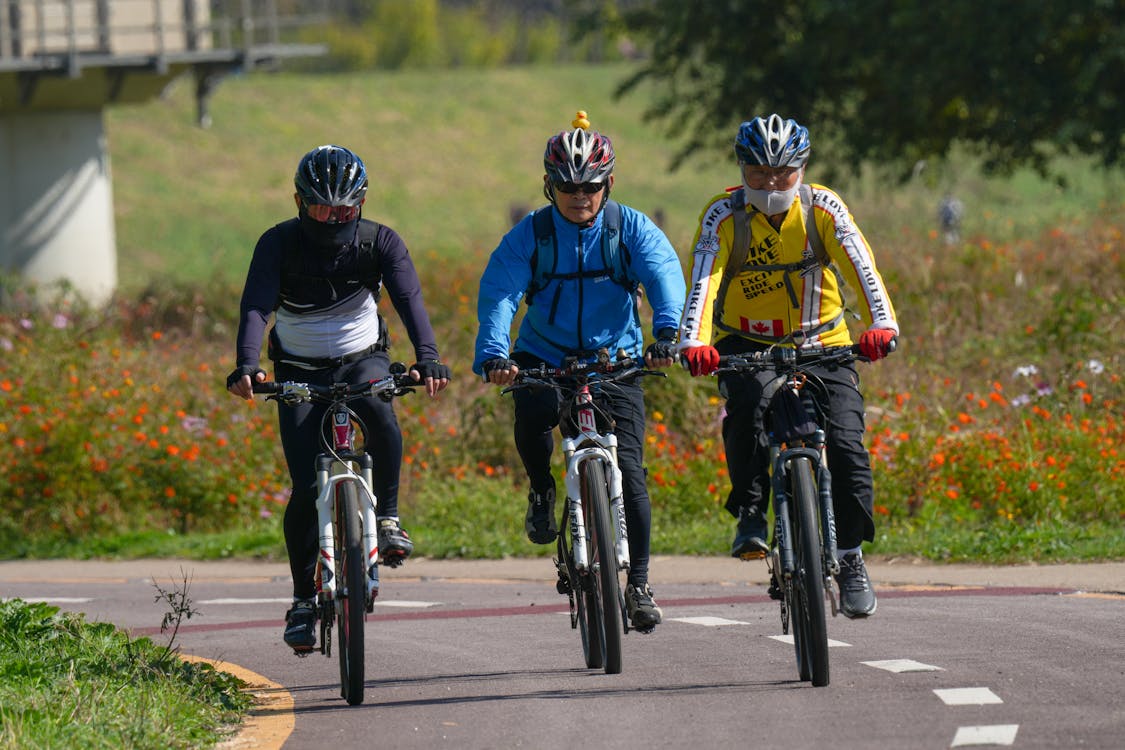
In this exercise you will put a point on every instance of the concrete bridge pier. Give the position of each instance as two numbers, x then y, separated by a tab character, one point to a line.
56	202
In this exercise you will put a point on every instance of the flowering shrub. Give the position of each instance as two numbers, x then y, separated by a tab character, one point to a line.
995	430
107	433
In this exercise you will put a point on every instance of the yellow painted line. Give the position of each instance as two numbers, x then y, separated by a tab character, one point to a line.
270	722
1096	595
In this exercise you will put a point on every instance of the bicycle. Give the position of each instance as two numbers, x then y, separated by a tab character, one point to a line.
591	564
802	553
347	566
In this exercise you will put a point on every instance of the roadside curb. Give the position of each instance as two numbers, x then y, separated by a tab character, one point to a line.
270	722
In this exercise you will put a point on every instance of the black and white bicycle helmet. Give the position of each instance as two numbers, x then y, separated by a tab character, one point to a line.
772	142
331	176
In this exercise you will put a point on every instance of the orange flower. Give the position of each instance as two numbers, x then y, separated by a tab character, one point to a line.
169	492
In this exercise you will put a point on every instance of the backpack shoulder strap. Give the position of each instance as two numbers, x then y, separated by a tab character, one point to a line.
614	254
368	262
740	247
811	230
544	258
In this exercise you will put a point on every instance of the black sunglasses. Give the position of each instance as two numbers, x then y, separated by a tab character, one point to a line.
588	188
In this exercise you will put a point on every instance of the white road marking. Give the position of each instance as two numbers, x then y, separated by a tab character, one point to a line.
997	734
789	639
710	622
902	665
404	603
56	599
974	696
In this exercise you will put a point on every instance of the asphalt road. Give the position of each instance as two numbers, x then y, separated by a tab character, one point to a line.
481	655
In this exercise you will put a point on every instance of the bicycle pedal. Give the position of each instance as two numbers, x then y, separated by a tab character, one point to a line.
303	652
645	631
754	554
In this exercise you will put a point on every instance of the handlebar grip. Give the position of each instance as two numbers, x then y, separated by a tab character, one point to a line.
266	387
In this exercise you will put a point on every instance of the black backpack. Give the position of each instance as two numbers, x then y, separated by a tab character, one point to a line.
294	276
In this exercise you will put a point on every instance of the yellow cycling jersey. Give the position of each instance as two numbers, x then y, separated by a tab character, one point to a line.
762	304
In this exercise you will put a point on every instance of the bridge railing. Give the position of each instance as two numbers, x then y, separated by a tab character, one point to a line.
35	34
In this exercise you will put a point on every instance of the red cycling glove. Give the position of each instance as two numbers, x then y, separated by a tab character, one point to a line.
876	343
701	360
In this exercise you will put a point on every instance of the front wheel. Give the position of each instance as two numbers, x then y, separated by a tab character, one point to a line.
810	632
603	561
351	592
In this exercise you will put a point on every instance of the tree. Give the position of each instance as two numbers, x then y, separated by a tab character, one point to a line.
892	81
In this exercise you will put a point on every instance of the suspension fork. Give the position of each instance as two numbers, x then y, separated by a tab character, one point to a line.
827	509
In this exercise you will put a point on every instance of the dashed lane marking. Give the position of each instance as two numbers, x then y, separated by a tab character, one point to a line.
996	734
789	639
57	599
710	622
974	696
902	665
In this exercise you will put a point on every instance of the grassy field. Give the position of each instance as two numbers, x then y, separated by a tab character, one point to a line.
994	431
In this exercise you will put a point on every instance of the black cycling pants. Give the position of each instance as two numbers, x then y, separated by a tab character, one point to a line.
300	438
537	416
747	448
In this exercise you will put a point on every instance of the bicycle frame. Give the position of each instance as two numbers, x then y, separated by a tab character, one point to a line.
782	456
331	470
591	445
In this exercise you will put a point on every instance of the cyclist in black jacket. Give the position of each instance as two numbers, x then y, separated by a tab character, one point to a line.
320	274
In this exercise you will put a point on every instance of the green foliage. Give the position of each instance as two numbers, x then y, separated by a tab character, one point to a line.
65	682
406	34
894	82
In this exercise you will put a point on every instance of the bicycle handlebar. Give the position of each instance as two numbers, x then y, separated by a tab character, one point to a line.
785	356
601	370
390	386
782	356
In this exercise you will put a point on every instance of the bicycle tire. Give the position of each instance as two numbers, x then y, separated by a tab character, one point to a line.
810	631
351	592
593	647
603	560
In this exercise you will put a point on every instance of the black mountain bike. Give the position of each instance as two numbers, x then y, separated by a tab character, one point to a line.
593	543
347	566
802	557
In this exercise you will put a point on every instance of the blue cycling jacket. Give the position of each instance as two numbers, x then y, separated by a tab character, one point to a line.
591	312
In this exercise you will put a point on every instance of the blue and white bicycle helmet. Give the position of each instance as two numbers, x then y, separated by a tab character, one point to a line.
772	142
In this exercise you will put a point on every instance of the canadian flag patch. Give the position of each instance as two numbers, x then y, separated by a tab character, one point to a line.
772	328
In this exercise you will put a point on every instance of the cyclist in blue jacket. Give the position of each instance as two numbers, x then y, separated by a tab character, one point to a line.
320	274
583	301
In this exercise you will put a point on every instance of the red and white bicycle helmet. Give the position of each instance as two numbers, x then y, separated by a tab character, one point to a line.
579	155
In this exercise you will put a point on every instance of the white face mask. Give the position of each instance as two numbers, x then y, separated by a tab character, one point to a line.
771	202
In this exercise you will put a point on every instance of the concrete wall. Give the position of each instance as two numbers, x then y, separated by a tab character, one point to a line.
56	201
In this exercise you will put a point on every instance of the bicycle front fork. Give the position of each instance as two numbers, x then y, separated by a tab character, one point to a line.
578	531
329	474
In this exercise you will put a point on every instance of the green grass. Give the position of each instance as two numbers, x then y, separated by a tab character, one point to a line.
65	682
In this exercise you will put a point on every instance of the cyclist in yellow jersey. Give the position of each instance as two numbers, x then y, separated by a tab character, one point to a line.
783	290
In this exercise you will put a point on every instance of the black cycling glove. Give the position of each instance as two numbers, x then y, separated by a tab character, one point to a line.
496	363
432	368
241	370
665	345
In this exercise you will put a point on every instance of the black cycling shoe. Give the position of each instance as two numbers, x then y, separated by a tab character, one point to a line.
857	598
643	612
540	523
300	627
394	543
751	538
